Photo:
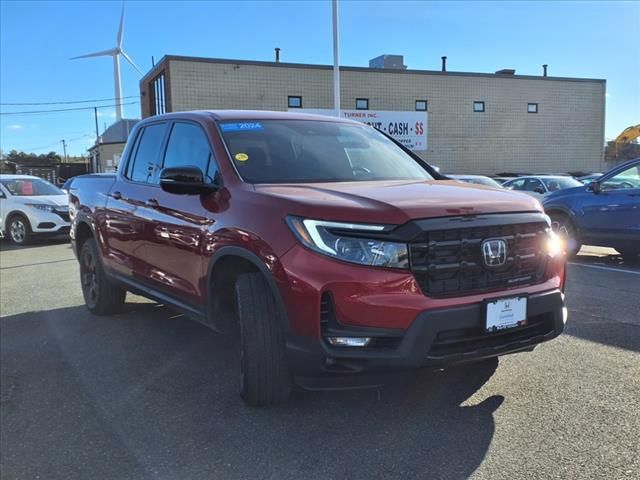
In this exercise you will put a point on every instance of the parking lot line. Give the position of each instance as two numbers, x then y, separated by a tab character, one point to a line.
602	267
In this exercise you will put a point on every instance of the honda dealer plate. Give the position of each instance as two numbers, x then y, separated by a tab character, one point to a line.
506	313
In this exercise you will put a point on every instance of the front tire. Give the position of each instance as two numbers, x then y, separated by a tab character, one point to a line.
629	254
566	229
19	230
264	374
101	295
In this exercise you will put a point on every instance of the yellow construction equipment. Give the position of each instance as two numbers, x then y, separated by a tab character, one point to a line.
628	134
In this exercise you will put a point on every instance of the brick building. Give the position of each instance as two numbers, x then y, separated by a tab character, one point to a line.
477	122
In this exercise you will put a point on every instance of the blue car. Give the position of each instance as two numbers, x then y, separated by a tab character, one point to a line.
605	212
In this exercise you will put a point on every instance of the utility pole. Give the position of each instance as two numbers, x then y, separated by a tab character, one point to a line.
64	147
336	67
95	115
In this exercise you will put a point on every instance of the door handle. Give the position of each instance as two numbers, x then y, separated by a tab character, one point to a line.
152	203
116	195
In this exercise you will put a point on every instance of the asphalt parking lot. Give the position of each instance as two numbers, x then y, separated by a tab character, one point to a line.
151	394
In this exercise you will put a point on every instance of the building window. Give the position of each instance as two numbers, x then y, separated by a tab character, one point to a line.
478	107
362	104
532	108
295	102
158	101
421	105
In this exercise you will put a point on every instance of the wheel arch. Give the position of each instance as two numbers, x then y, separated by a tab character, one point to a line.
223	270
83	232
13	213
562	210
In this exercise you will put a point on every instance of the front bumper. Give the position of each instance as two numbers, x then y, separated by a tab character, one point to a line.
48	222
435	338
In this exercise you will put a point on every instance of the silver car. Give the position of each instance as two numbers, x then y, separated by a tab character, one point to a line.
541	185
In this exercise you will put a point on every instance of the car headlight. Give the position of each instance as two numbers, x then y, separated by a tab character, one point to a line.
555	244
334	239
41	206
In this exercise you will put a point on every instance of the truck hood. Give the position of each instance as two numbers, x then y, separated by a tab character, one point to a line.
396	202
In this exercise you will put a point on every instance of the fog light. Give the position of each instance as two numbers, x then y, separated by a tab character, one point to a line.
349	341
565	314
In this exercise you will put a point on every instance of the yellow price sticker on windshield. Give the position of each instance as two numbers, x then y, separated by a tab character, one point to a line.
242	157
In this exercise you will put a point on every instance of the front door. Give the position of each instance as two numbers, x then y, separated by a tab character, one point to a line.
4	210
128	210
614	213
176	234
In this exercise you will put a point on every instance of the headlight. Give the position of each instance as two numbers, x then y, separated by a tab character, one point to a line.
41	206
555	244
332	239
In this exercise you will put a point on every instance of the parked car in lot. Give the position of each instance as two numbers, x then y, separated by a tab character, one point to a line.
31	206
605	213
477	179
502	180
587	179
67	185
328	242
541	185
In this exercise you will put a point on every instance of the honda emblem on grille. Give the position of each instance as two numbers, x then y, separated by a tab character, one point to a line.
494	252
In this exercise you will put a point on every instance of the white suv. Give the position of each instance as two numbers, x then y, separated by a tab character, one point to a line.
30	205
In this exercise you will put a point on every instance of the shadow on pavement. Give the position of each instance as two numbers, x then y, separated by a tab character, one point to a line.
6	245
612	298
146	394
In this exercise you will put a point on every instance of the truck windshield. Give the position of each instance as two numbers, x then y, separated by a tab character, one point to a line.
30	187
293	151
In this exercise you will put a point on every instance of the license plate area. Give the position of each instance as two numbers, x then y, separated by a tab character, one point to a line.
505	313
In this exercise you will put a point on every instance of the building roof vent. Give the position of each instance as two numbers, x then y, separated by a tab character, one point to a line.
506	71
393	62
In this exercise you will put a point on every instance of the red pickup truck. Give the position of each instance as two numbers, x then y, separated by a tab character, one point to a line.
340	254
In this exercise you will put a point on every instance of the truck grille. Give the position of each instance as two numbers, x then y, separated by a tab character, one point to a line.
449	262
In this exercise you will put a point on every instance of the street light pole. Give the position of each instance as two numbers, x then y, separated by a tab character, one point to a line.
336	68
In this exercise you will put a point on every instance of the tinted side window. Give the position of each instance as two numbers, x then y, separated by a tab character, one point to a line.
188	145
628	178
516	184
533	183
147	153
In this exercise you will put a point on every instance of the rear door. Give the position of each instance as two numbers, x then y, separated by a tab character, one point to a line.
128	210
177	231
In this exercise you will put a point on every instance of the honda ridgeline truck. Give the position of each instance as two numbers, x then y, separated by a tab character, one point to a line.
339	253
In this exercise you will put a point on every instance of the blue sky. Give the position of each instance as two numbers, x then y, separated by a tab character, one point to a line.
577	39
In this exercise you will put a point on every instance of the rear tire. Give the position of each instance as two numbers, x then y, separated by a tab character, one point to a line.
264	374
19	230
101	295
565	227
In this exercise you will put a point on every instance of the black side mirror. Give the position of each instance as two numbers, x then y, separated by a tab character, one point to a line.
539	190
185	180
594	187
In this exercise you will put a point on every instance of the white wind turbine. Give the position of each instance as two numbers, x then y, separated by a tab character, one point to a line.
115	53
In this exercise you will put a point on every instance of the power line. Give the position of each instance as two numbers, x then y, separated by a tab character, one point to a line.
69	102
36	112
49	145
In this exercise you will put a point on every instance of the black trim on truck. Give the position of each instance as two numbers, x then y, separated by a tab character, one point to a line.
436	338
